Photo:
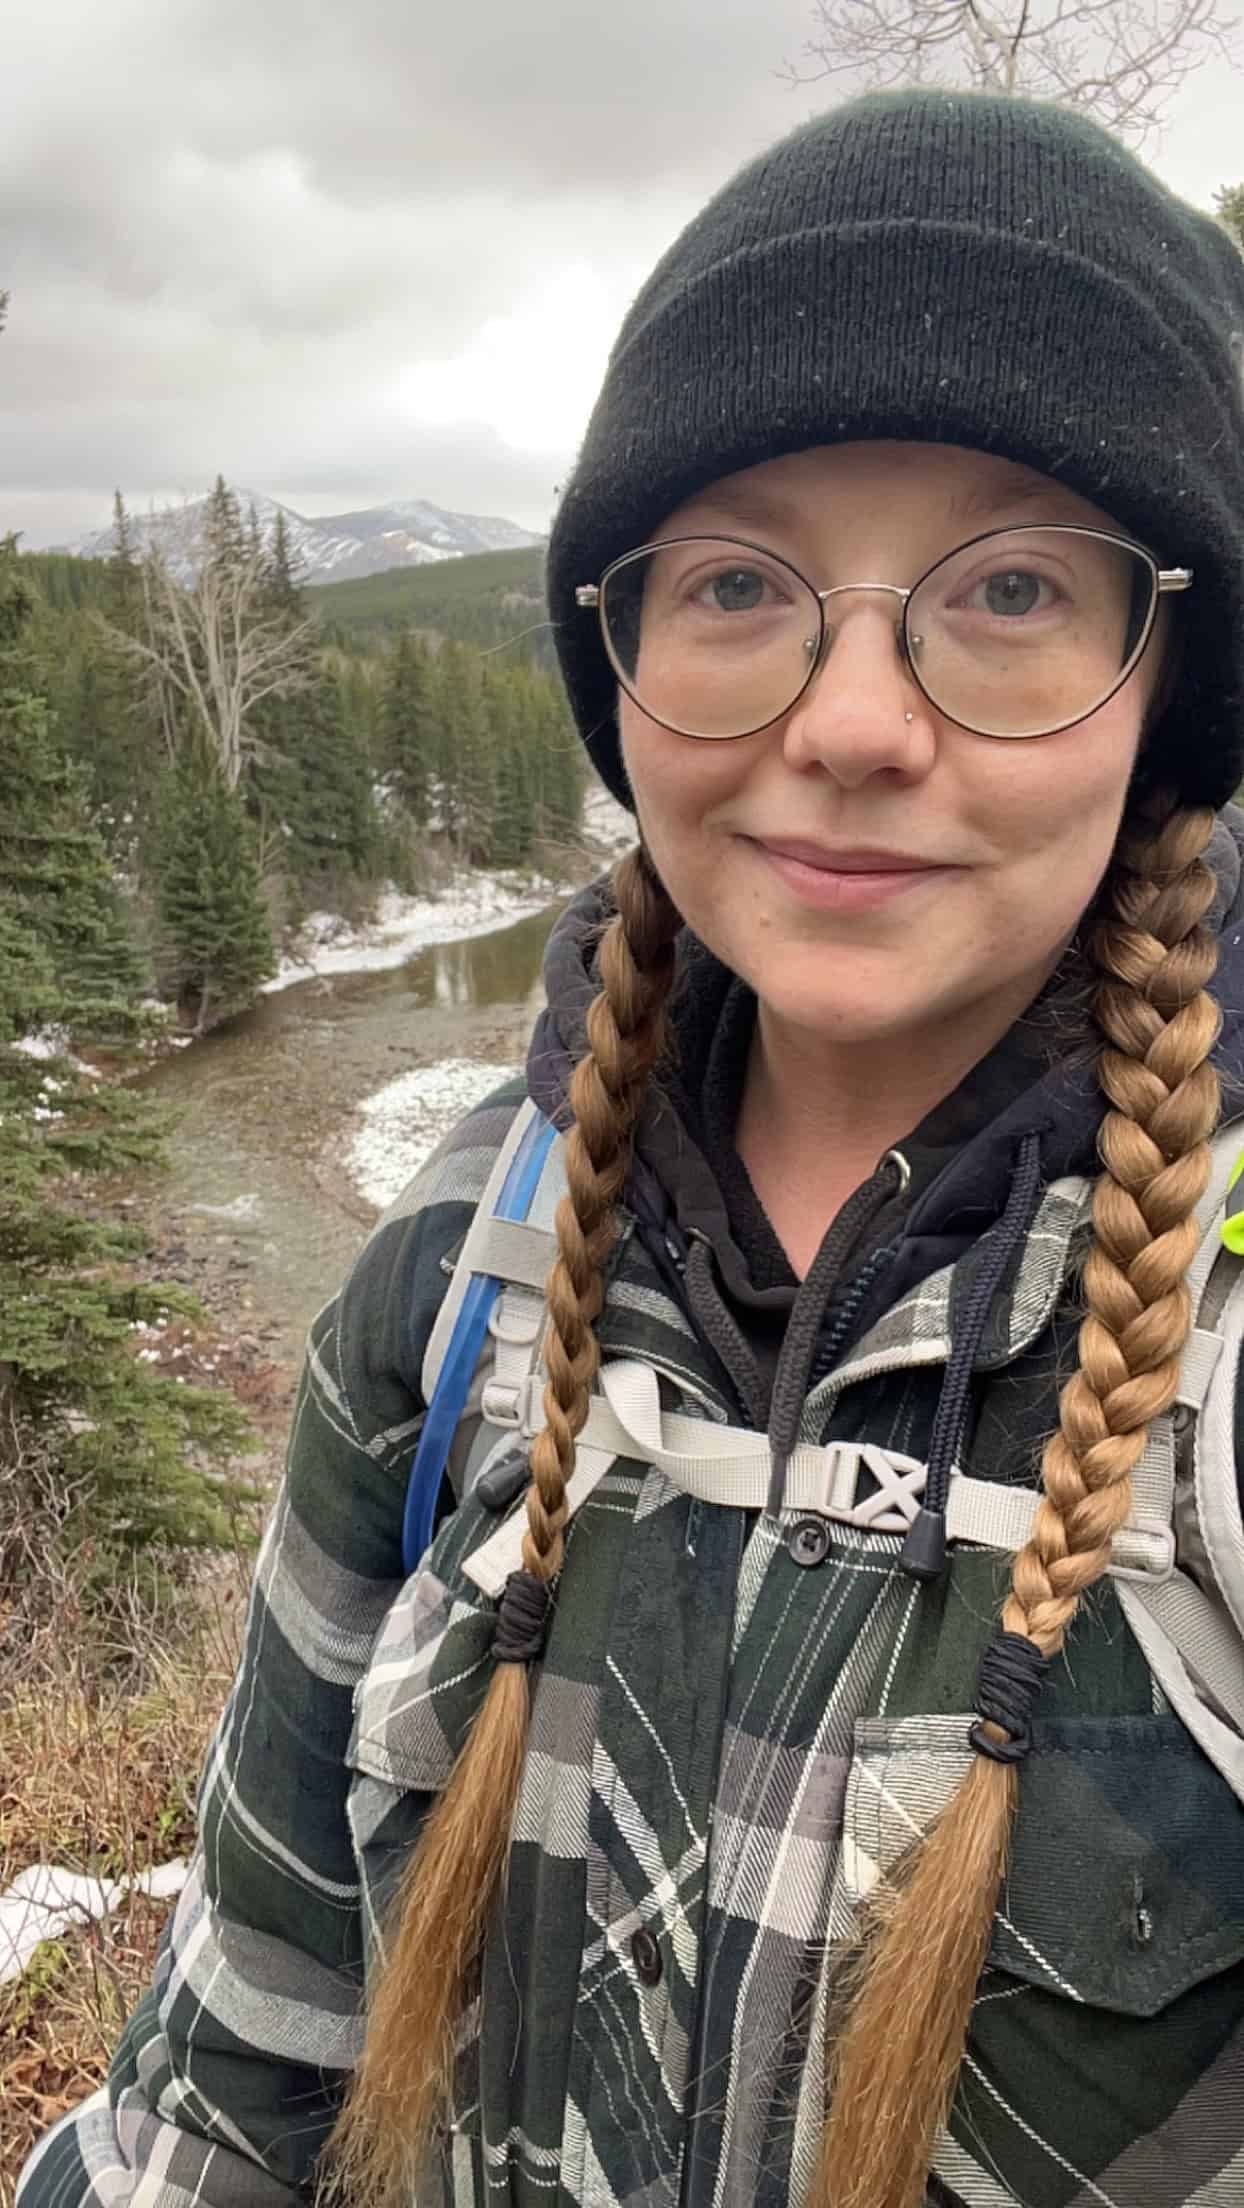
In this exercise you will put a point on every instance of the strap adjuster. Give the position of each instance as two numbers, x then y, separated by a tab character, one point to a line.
1149	1545
515	1404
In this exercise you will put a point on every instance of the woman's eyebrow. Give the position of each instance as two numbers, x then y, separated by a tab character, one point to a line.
751	507
985	499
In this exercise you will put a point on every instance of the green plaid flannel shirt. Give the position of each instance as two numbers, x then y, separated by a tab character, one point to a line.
728	1747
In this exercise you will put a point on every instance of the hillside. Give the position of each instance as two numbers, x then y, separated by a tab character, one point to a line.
485	599
67	583
404	533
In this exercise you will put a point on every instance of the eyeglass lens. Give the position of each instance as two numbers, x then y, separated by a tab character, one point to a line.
1015	634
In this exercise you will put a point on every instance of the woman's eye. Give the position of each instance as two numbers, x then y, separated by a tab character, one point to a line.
1011	591
735	590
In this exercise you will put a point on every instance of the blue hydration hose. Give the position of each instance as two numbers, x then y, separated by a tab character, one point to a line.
462	1352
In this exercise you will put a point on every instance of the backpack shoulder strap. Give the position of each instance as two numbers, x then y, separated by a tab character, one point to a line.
491	1310
510	1236
1190	1623
1215	1471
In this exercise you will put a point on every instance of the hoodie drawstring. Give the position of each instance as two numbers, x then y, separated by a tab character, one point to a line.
924	1550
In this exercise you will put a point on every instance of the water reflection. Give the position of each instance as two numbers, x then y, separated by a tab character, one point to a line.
503	968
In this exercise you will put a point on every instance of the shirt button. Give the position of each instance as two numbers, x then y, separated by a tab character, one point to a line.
808	1541
646	1956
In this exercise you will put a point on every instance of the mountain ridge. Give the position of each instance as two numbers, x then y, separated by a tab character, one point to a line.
331	547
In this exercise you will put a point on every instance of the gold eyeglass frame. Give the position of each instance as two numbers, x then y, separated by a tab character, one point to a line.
1166	580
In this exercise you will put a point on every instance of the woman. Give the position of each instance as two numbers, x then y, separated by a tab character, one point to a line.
900	589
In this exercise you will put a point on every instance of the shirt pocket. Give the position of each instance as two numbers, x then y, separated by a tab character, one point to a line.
1125	1883
1109	2021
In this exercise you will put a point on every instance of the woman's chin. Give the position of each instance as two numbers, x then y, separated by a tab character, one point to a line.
844	1015
843	995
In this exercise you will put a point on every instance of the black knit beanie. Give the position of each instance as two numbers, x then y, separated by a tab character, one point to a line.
955	268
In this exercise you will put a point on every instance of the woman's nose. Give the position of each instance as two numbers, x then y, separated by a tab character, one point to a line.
862	713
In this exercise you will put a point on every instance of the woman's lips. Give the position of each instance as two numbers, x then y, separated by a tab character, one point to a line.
846	881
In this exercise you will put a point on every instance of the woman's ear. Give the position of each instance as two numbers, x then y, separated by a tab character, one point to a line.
1151	770
1169	643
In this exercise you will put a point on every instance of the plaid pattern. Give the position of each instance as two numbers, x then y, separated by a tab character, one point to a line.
727	1750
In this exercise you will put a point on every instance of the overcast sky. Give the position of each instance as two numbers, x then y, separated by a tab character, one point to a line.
353	250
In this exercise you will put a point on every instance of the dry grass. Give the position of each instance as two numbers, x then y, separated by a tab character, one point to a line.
98	1766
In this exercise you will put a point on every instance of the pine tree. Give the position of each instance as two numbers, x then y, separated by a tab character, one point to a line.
105	702
125	588
566	794
466	768
224	539
509	728
284	577
57	880
93	1446
215	941
560	761
284	572
361	686
309	778
323	790
408	739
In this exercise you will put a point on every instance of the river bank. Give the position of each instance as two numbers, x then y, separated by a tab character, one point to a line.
294	1125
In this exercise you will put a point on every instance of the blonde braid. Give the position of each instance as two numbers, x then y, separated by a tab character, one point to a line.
898	2059
626	1035
448	1888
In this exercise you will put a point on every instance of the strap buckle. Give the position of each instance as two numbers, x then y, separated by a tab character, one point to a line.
515	1404
894	1501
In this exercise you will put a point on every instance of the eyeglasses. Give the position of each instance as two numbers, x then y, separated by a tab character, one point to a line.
1020	632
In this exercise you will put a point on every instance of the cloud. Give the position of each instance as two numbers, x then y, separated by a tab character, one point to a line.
351	253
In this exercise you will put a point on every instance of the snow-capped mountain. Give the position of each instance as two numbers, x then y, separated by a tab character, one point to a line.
405	534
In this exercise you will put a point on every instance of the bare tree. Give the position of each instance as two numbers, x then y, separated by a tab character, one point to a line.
213	635
1122	60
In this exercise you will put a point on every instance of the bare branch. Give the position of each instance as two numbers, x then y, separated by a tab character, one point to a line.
1121	60
208	633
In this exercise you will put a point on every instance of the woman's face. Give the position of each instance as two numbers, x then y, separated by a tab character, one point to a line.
865	864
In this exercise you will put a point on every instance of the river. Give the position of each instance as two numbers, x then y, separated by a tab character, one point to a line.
257	1210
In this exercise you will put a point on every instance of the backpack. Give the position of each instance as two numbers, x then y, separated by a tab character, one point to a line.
1179	1560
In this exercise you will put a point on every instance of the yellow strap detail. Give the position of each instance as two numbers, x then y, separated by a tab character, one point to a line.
1232	1227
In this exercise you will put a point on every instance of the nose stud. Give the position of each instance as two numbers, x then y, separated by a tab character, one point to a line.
909	716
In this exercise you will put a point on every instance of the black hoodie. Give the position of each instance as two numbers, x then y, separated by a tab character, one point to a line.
694	1204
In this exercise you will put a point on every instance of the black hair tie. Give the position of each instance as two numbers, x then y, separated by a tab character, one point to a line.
1011	1676
522	1619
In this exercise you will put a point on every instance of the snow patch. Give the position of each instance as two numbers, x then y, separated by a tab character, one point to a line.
474	905
403	1122
50	1042
53	1042
243	1208
45	1901
607	823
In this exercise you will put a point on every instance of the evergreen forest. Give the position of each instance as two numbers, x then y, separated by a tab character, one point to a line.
194	756
253	751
